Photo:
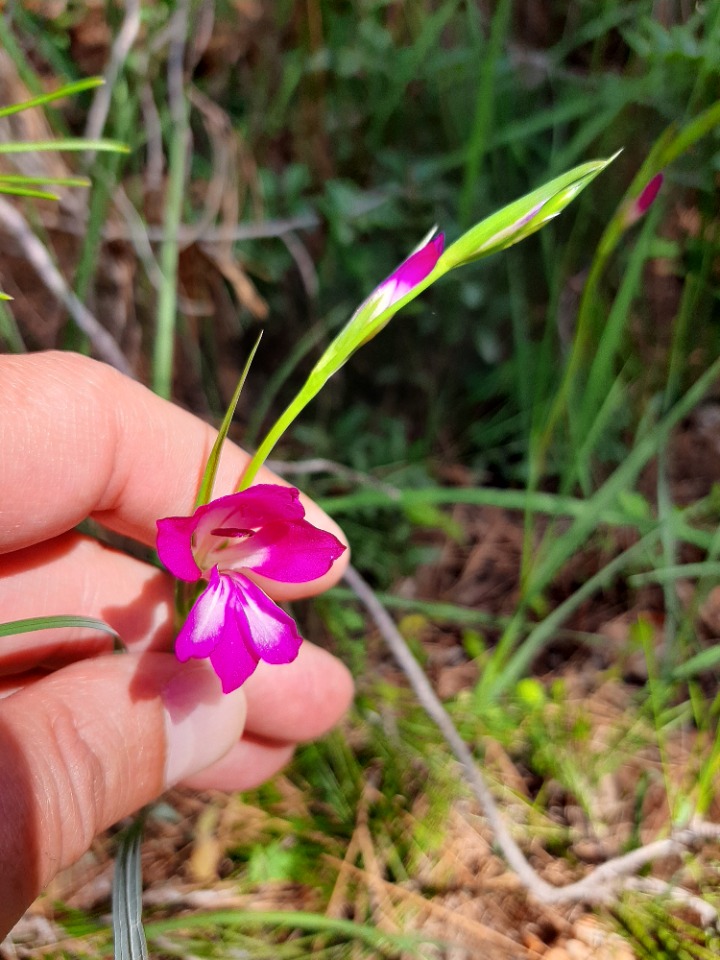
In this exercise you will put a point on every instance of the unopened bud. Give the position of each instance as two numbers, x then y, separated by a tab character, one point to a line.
640	206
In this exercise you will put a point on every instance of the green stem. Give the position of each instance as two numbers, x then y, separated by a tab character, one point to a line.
169	250
484	101
278	429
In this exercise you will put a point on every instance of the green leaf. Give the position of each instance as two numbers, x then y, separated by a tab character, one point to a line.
700	663
45	181
53	623
208	481
291	920
11	190
65	143
67	91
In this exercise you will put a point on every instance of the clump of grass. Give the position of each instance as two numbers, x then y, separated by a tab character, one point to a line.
658	931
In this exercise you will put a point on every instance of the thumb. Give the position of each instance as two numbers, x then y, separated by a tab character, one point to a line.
88	745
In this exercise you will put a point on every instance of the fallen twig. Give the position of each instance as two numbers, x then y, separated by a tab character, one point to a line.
187	233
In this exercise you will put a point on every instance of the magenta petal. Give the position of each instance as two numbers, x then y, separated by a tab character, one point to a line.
241	511
249	508
289	552
648	194
174	547
637	208
210	621
419	264
232	660
411	272
236	625
283	545
273	635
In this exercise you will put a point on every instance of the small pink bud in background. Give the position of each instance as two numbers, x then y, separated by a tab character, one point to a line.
640	206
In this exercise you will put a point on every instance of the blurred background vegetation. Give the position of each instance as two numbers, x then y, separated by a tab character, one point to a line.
538	433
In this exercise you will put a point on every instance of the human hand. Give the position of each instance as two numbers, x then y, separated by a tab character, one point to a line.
88	737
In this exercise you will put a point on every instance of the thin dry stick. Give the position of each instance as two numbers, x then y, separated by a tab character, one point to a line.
381	910
287	468
37	255
597	886
304	263
152	125
138	236
336	903
186	233
100	107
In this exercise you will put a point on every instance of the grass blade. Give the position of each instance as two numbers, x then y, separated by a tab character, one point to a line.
128	935
14	627
208	480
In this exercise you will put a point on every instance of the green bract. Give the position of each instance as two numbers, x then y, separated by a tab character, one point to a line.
521	218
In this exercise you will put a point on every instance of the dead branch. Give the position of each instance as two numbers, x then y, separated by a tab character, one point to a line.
100	107
38	256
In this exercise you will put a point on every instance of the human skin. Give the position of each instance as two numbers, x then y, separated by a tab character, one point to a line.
88	736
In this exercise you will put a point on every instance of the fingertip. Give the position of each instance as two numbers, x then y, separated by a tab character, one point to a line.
298	701
247	765
201	722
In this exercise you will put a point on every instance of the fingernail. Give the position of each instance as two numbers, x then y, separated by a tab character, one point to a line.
201	722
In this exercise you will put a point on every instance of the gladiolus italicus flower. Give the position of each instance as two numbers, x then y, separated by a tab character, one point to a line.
260	530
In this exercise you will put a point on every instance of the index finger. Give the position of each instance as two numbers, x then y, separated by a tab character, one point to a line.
79	439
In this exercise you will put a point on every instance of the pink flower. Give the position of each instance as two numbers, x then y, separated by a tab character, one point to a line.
261	530
409	274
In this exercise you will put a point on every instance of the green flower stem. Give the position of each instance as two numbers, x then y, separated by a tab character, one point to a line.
350	338
308	392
